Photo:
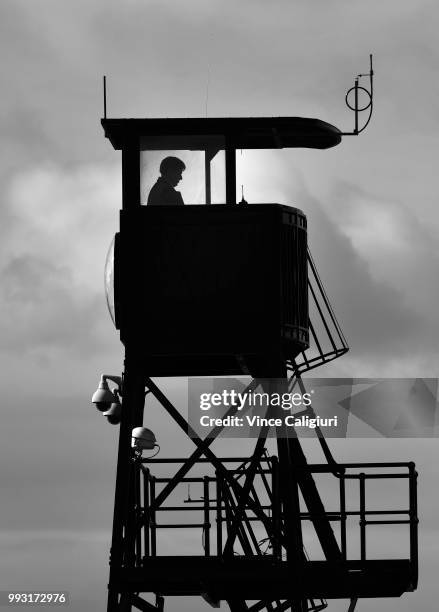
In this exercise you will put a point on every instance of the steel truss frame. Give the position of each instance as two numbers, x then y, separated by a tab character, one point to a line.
236	498
239	504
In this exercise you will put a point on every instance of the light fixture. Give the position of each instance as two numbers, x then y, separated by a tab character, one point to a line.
114	413
143	439
103	397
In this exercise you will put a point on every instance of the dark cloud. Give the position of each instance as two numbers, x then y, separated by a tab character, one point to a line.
42	308
374	316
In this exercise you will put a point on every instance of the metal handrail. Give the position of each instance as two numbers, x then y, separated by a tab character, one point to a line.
219	505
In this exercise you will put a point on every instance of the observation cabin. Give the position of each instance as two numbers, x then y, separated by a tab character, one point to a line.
217	286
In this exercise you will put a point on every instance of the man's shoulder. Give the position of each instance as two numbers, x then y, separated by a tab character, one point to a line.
158	190
162	193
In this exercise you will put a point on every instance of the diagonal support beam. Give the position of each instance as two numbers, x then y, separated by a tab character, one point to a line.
181	421
310	492
244	530
280	606
201	446
297	379
142	605
251	473
353	604
241	533
313	501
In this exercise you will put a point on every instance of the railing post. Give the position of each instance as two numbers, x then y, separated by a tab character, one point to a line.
413	514
139	517
146	474
206	527
152	519
276	509
362	478
342	483
219	517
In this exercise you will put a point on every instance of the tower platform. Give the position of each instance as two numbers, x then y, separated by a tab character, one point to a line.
348	572
266	578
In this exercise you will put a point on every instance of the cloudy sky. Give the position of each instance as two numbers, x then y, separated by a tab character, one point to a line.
371	204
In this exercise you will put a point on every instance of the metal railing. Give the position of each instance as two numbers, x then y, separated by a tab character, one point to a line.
221	513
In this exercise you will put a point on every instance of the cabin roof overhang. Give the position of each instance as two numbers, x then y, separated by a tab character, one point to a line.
235	132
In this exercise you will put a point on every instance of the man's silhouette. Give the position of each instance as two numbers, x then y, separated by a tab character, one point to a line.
163	192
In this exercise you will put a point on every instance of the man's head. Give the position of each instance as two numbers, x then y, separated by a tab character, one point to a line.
171	169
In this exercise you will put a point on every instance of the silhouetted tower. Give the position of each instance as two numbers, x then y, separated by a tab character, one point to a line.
184	302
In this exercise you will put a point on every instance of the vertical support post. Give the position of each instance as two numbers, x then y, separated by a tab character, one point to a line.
230	174
288	474
413	508
132	416
124	520
105	96
342	484
289	486
276	510
362	479
138	521
146	511
299	605
356	106
152	519
290	504
131	173
219	516
207	175
206	526
125	603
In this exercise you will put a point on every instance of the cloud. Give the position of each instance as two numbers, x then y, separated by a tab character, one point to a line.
378	321
400	248
38	560
56	231
41	309
367	256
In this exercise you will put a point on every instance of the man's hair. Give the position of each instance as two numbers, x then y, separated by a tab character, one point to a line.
171	163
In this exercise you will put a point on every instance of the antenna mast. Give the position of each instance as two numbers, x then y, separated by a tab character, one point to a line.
355	107
105	95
